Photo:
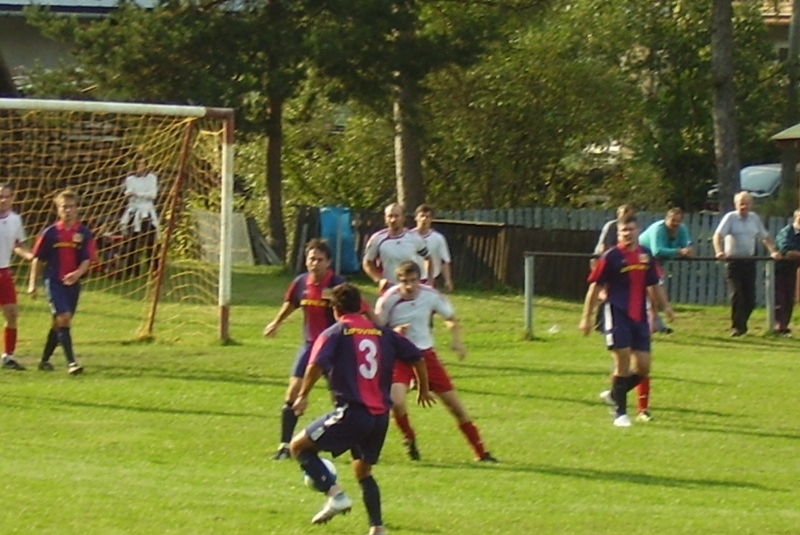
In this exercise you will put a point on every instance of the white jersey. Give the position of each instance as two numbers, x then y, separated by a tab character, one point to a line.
141	191
393	310
391	251
11	234
437	248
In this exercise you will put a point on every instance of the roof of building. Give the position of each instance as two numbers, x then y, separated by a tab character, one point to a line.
68	6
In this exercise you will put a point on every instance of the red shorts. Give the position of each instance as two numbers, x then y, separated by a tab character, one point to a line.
8	292
438	379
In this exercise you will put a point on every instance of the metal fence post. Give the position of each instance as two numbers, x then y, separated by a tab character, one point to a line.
529	271
769	294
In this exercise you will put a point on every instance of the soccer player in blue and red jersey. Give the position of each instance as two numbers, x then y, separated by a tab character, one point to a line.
629	274
357	357
311	292
67	249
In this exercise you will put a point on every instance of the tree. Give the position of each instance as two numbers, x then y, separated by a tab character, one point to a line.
726	142
246	55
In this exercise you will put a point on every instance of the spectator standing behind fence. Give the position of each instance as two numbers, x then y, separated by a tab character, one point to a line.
735	242
788	244
139	221
437	247
608	235
667	239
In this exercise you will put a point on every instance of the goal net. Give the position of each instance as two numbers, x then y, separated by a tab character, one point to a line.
155	188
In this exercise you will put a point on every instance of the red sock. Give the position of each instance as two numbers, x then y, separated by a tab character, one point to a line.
474	438
10	340
405	426
643	391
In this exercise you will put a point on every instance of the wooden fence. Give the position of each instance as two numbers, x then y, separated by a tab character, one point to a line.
488	249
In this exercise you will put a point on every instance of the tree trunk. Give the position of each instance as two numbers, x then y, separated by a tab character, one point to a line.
407	153
789	184
726	143
275	176
7	86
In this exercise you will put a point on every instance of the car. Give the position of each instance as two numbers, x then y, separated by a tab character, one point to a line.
761	181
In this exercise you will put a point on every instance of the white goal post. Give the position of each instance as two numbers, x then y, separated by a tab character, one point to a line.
47	145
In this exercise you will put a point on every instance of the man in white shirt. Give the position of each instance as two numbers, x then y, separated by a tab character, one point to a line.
735	242
139	221
12	238
407	308
391	246
437	246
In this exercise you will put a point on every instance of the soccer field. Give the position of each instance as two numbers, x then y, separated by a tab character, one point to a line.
174	437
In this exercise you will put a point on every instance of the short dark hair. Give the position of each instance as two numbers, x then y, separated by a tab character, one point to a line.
346	298
320	245
409	267
424	209
630	218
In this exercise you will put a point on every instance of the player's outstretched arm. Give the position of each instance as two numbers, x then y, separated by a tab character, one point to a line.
456	343
272	327
424	395
36	268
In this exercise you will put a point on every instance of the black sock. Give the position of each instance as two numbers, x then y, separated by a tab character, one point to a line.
311	464
372	500
631	381
50	345
288	422
619	392
65	337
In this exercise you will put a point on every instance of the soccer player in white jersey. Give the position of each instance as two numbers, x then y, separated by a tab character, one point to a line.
437	246
407	308
12	238
389	247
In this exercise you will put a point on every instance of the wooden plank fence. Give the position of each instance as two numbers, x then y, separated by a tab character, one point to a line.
488	248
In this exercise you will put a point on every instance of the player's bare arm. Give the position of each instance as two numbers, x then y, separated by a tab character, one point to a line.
589	303
312	375
272	327
36	268
456	343
424	396
371	269
74	276
23	251
447	273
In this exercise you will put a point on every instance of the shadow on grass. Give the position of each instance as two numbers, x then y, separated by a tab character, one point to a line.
129	372
611	476
61	403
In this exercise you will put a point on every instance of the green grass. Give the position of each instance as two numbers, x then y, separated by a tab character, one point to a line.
174	436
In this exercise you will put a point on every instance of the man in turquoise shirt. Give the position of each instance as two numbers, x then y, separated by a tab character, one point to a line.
669	238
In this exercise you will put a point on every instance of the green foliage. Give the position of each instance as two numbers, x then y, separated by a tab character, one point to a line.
175	437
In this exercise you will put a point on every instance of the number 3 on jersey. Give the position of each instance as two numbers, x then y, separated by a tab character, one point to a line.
369	352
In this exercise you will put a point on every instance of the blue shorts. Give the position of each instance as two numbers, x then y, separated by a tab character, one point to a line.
62	298
301	360
622	332
350	428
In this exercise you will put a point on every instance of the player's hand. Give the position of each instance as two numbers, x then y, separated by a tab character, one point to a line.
668	312
426	399
32	291
300	405
459	348
271	329
402	328
448	286
720	255
585	326
70	278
